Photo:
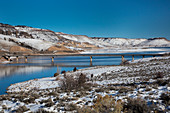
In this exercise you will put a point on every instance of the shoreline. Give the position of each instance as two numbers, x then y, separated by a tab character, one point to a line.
147	79
93	70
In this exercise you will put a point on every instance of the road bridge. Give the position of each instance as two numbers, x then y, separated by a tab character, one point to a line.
25	55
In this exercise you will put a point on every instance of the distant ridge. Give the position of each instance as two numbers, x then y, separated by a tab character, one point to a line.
38	40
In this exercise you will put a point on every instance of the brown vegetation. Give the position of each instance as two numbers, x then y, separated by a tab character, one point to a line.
19	49
69	82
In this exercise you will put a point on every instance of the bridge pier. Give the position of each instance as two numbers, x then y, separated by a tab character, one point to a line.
17	59
26	59
132	58
90	60
123	59
52	59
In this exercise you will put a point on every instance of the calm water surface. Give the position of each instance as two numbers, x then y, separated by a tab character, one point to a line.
39	67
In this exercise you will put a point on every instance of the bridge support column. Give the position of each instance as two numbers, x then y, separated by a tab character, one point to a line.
52	59
132	58
123	59
17	59
90	60
26	59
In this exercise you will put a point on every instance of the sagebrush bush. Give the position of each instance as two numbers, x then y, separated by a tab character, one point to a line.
22	109
73	82
43	111
136	106
106	104
159	75
165	98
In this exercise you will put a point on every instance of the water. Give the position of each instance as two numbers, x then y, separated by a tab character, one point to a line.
39	67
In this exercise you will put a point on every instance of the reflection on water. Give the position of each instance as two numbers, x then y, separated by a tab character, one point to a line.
10	70
14	74
39	67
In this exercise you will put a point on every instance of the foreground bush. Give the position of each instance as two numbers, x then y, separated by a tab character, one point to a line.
106	104
165	98
136	106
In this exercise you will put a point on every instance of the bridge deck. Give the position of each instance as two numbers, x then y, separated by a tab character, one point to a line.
22	54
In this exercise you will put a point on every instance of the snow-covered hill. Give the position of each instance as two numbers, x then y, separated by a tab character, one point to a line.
42	39
123	42
36	33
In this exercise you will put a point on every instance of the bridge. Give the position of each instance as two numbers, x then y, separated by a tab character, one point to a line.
25	55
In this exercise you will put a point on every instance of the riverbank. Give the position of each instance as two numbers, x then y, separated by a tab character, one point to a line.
147	79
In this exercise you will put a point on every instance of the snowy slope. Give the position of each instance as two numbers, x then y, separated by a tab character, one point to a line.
42	34
42	39
84	39
37	44
78	38
157	43
123	42
34	43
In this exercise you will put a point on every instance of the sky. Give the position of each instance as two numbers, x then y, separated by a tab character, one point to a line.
94	18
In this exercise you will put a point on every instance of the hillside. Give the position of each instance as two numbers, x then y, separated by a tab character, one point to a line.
124	42
42	40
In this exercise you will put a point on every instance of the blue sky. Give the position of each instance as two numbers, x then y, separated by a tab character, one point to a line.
103	18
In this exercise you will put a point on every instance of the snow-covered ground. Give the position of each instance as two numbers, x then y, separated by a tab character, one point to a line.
34	43
123	42
145	78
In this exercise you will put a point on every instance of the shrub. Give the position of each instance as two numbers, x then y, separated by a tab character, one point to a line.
165	98
136	106
125	62
162	82
43	111
29	100
75	69
159	75
70	82
105	104
99	89
71	107
86	109
63	72
56	74
22	109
